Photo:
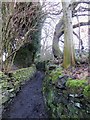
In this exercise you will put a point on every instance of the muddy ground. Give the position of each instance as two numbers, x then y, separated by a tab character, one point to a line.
29	102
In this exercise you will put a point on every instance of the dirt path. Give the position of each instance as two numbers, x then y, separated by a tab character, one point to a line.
29	101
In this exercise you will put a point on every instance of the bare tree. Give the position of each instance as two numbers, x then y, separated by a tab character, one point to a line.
20	20
59	29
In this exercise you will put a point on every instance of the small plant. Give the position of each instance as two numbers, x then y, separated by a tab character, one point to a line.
54	75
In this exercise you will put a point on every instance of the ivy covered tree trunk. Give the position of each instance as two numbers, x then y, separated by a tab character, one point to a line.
69	56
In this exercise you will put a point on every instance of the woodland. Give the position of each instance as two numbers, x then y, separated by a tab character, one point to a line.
45	59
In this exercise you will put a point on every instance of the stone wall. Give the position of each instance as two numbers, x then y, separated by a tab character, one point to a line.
66	97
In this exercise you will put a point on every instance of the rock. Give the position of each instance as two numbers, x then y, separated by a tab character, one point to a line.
77	105
61	83
52	67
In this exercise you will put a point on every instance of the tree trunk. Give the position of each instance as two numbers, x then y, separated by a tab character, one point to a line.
69	58
55	46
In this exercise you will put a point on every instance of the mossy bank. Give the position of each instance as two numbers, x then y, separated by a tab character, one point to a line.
66	97
10	84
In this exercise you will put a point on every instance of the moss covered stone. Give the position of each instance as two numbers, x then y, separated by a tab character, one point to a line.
23	74
77	86
76	83
68	102
54	75
3	76
10	85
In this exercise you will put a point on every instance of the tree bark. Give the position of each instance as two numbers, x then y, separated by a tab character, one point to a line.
69	58
55	47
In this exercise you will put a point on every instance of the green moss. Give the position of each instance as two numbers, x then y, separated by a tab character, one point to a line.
1	73
3	76
68	103
23	74
55	74
86	91
76	83
76	86
10	86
